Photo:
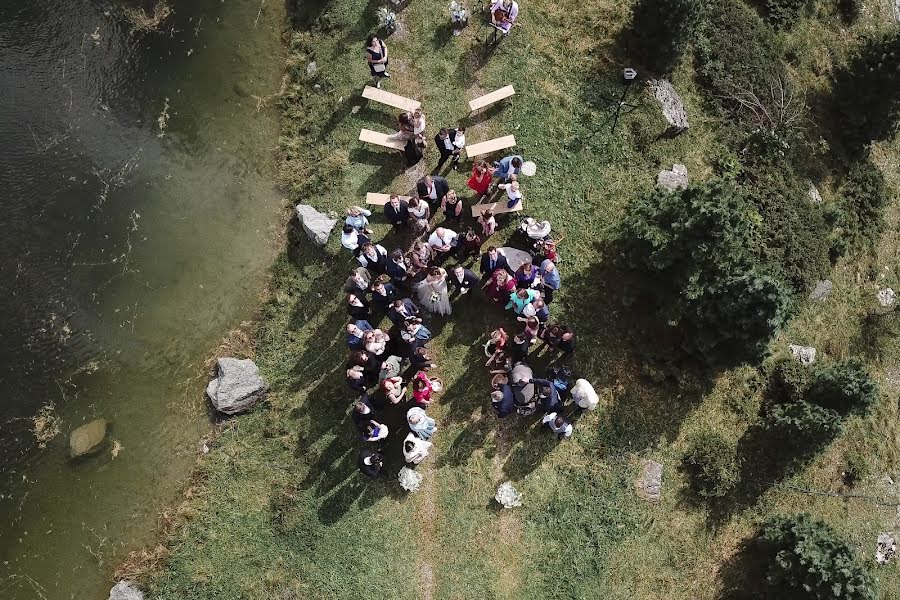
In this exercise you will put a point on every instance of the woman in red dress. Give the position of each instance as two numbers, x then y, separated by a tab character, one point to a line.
480	180
500	286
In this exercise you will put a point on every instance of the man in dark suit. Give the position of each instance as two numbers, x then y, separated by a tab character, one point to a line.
432	189
463	280
396	211
445	142
401	310
493	260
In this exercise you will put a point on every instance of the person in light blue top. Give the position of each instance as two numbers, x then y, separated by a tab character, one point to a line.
357	217
355	332
510	165
550	280
420	423
519	299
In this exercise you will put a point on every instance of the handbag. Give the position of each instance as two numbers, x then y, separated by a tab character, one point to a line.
379	67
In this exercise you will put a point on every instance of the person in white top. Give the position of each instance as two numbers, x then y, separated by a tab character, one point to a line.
442	242
449	143
584	396
418	123
415	449
558	425
513	193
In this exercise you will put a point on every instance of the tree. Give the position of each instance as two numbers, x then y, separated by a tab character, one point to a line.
844	387
805	558
659	32
688	256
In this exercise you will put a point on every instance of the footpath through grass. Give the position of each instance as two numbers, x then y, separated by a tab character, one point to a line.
279	509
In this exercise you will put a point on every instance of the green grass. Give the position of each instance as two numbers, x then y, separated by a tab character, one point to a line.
279	510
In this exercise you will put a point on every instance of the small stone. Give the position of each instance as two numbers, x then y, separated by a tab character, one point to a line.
317	87
88	438
237	386
887	297
648	485
805	354
311	69
676	179
317	225
125	590
355	109
821	291
241	89
508	496
814	194
885	547
672	106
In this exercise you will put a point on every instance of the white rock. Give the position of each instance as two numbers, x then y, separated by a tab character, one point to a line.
508	496
236	387
805	354
311	68
409	480
821	291
672	106
317	225
649	482
885	547
125	590
887	297
676	179
814	194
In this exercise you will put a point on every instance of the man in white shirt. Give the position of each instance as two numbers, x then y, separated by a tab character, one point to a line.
558	425
449	143
442	242
351	239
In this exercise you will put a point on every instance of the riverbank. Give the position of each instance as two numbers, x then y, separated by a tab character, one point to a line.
278	508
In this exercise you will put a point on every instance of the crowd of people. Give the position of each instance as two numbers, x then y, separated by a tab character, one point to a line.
391	366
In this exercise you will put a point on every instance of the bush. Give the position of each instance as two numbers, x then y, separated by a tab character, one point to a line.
867	92
788	379
849	10
860	214
711	465
659	32
784	13
736	51
856	469
796	239
845	387
805	558
688	257
802	426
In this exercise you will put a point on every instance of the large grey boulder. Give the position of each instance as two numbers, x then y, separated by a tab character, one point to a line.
648	484
821	291
317	225
125	590
88	438
672	106
676	179
236	387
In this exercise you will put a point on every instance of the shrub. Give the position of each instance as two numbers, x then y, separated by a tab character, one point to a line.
867	91
805	558
659	32
844	387
860	214
849	10
711	465
796	240
802	426
787	381
783	13
736	51
856	469
688	256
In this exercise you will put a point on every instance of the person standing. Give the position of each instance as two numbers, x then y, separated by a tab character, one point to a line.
449	143
513	193
488	223
370	462
452	207
506	167
396	211
550	280
377	59
492	260
433	292
558	425
432	189
415	450
480	180
442	242
357	217
499	286
398	269
420	423
401	311
374	257
419	214
463	280
504	14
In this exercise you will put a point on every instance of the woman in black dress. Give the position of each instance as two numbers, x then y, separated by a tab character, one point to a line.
377	57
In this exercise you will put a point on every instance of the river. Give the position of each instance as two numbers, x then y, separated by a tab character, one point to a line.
139	215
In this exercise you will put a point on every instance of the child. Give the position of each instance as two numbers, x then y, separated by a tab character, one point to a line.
488	223
513	194
558	425
471	244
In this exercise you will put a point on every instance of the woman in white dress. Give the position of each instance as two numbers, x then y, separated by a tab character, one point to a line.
415	449
433	293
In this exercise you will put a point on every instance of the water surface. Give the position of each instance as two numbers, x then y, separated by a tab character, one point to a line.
138	211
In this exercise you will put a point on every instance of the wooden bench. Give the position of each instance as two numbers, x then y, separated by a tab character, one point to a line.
407	104
381	139
488	99
496	207
507	141
381	199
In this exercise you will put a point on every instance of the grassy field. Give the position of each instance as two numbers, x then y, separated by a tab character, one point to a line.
278	509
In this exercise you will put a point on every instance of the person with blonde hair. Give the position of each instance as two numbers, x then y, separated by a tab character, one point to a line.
452	206
513	192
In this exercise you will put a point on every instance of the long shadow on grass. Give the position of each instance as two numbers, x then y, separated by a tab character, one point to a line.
389	163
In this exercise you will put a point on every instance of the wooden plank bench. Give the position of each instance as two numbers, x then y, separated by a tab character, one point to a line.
488	99
507	141
401	102
381	199
381	139
496	207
